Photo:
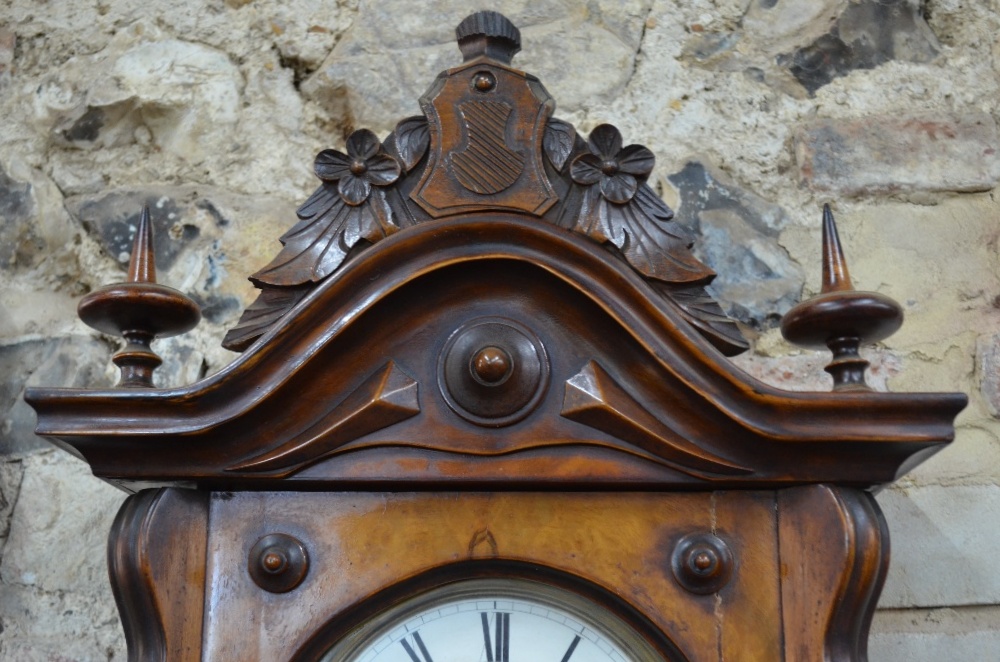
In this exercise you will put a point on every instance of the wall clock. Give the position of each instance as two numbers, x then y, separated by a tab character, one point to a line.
495	621
484	412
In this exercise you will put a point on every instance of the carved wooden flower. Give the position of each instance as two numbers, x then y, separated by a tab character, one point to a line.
618	170
364	164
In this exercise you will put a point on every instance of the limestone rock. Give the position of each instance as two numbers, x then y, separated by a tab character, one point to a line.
582	53
57	602
887	154
179	91
784	25
34	224
867	34
73	361
757	282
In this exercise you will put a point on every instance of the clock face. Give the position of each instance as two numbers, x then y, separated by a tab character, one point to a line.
495	621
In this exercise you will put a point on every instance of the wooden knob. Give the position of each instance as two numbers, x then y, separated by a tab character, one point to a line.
840	317
140	310
493	371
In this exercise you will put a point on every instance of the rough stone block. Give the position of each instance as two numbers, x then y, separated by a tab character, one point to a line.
75	361
942	545
885	155
867	34
757	281
932	635
988	355
53	575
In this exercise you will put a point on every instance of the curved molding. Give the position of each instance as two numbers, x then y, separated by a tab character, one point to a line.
864	438
596	400
834	555
156	561
387	397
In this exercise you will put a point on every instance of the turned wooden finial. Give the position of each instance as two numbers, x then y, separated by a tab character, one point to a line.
140	310
840	317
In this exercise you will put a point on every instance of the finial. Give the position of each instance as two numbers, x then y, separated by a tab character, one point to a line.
488	33
140	310
840	317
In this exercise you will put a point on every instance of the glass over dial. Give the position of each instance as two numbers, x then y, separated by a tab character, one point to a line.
495	621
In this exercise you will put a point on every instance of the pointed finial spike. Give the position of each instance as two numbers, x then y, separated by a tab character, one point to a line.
836	277
142	265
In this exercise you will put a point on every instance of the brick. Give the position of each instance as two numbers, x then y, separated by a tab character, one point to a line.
885	155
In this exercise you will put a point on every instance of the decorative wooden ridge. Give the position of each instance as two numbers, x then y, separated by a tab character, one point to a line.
487	298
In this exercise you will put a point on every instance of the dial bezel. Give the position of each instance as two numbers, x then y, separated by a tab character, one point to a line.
592	616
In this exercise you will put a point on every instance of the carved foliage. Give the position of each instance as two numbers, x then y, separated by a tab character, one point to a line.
411	138
344	210
481	147
619	208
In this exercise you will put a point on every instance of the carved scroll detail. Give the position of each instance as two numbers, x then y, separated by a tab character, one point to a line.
387	397
596	400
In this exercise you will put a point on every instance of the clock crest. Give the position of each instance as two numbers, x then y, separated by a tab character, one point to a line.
484	411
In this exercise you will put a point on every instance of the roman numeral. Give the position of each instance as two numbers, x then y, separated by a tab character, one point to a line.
500	636
572	647
424	656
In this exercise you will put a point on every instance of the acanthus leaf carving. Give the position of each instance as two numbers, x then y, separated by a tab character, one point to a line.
596	400
618	207
385	398
706	315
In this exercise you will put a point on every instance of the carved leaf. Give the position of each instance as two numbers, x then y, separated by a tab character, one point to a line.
698	307
329	228
271	304
412	140
643	230
558	142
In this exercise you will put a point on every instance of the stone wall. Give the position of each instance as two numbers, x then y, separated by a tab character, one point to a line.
759	111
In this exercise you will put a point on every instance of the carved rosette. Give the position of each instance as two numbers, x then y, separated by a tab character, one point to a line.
487	142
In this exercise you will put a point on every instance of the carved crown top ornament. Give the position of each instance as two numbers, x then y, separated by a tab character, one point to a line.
488	298
487	142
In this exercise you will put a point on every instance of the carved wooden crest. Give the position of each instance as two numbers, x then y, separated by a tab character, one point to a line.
487	142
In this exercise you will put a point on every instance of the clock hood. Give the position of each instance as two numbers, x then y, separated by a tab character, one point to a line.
610	385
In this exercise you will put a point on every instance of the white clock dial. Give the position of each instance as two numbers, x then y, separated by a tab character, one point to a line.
495	621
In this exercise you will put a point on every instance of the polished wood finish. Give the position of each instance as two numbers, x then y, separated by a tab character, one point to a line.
157	554
582	306
841	318
486	350
140	310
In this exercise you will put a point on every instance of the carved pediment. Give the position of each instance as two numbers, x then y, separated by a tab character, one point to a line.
352	387
487	298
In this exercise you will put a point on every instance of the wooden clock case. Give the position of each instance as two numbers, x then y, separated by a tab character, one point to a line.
486	350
